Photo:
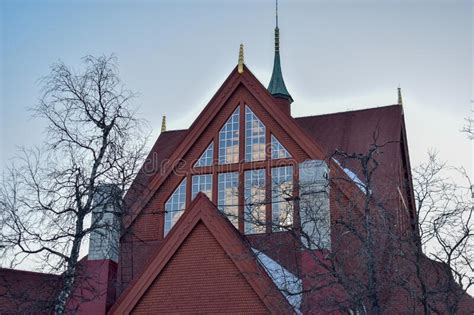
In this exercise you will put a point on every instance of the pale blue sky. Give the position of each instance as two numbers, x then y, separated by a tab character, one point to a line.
336	55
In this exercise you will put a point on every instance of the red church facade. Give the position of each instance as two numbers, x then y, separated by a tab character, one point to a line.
251	210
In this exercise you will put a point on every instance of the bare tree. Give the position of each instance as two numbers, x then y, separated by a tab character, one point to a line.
362	248
48	195
445	210
468	127
347	244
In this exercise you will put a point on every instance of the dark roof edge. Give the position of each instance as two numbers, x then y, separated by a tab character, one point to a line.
29	272
350	111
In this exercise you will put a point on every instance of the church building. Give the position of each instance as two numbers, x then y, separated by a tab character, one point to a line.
252	210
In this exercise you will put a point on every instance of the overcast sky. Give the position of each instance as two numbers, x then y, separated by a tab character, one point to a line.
336	55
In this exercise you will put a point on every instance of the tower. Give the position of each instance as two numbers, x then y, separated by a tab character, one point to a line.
277	85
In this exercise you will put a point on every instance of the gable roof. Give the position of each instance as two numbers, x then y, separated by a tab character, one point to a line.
233	81
203	211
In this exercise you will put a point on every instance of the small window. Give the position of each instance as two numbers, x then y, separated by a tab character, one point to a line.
282	192
254	137
278	150
228	196
206	157
175	205
254	201
229	140
202	183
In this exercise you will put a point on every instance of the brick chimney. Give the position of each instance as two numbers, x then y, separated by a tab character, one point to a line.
104	239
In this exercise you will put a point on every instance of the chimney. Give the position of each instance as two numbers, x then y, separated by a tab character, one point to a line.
105	222
314	207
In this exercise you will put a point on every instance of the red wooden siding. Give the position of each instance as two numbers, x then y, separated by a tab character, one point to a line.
200	278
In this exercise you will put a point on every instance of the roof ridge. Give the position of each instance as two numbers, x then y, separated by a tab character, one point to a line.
175	130
29	272
349	111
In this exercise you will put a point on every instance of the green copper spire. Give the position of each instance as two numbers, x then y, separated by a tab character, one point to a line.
277	86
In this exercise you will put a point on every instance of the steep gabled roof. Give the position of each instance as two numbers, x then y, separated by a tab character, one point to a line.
356	131
203	212
162	149
230	85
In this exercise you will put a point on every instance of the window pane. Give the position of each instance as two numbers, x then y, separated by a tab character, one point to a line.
278	150
254	201
229	140
206	157
282	191
254	137
228	196
174	207
202	183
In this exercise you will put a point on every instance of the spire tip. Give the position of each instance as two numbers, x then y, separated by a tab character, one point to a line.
163	124
276	13
240	65
400	100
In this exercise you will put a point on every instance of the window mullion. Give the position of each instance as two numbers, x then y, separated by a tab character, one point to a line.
241	198
268	182
189	183
215	159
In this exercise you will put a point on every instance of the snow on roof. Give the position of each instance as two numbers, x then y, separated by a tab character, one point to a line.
353	176
289	284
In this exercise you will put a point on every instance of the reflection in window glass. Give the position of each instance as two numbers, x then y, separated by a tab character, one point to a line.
202	183
278	150
254	137
228	188
282	191
174	207
254	201
206	157
229	140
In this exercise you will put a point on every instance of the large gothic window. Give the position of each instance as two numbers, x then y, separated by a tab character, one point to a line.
254	137
247	189
255	201
229	140
174	207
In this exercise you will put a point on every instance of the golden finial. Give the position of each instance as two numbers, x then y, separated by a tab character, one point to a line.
163	124
400	101
240	66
